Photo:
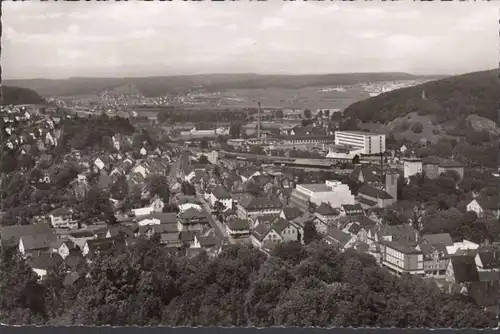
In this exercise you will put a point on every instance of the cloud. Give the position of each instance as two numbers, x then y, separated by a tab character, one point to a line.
186	37
271	23
245	42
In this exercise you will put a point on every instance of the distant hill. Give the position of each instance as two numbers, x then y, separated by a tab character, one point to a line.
156	86
447	100
17	95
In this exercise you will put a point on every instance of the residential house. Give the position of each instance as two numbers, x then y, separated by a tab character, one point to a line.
266	219
42	264
485	206
366	174
405	234
462	270
170	239
338	238
488	259
238	228
119	231
279	230
207	242
262	182
79	238
250	206
63	218
149	230
10	235
102	246
219	194
369	196
64	248
248	174
36	244
351	210
290	213
326	214
400	257
300	222
192	219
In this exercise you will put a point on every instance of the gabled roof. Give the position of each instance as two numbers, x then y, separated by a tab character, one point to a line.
164	217
45	261
221	193
38	241
352	209
489	203
265	219
490	259
464	268
104	245
369	173
364	222
250	202
279	224
208	241
401	233
261	231
438	238
303	219
238	224
11	234
373	192
325	209
336	235
401	246
61	212
192	213
291	212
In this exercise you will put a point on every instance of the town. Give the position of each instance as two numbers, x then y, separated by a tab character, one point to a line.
202	191
173	164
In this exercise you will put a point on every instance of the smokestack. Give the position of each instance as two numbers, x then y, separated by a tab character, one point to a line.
258	120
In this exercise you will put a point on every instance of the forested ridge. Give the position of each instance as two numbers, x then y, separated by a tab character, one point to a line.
17	95
452	98
312	285
157	86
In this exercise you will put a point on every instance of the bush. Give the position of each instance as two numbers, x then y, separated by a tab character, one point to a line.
417	127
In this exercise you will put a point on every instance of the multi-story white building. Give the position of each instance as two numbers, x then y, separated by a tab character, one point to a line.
334	193
369	143
412	166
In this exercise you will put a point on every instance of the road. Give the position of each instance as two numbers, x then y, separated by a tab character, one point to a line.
218	227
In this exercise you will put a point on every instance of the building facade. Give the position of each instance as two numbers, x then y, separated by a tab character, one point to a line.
368	143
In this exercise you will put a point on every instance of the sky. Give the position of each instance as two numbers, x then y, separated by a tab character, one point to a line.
119	39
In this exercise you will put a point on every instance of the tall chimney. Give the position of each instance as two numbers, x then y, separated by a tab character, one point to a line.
258	120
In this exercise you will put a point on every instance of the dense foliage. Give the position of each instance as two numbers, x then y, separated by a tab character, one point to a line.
93	132
17	95
297	285
451	98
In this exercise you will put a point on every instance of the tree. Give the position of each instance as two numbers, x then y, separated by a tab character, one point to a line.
310	232
204	143
279	114
158	185
218	209
417	127
203	160
119	190
307	114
